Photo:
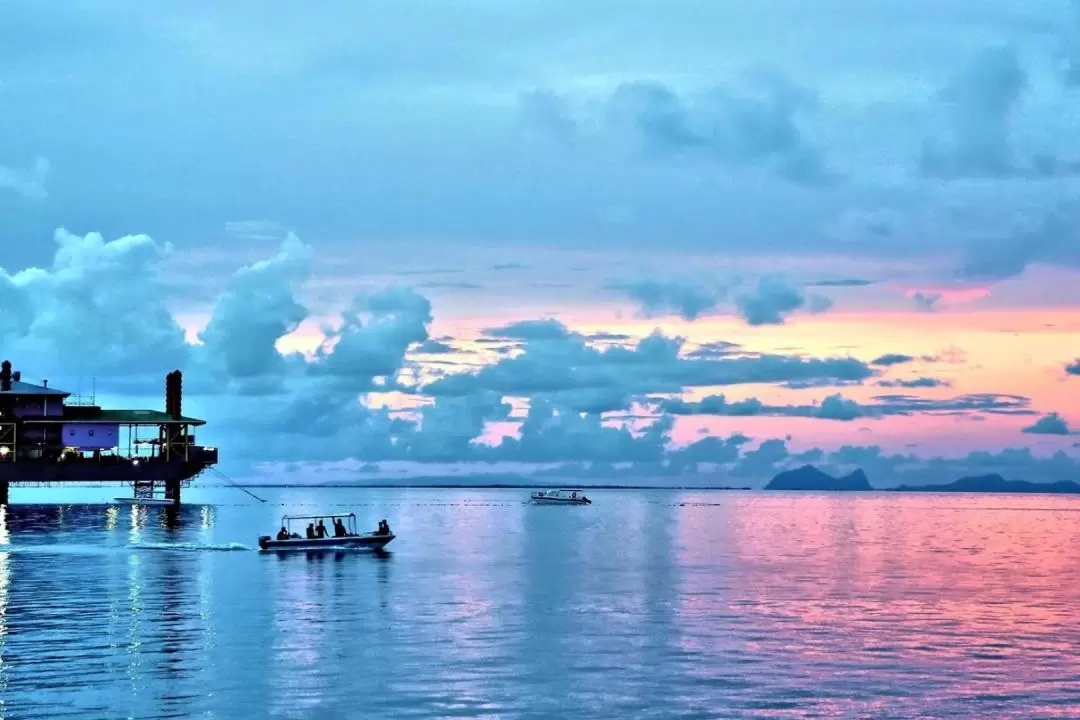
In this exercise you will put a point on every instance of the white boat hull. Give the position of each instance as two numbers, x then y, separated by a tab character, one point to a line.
142	501
560	497
370	541
560	501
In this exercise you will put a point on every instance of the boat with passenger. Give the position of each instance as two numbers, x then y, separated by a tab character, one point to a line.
560	497
341	535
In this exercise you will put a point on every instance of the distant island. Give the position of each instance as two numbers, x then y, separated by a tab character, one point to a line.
809	477
994	484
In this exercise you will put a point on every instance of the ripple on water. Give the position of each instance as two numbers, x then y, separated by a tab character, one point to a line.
644	605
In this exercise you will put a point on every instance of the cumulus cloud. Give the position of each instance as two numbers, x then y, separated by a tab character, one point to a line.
531	330
373	338
767	302
1051	424
257	310
358	396
773	299
103	298
759	122
686	299
551	363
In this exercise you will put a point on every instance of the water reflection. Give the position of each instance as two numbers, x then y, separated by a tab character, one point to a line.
5	581
643	605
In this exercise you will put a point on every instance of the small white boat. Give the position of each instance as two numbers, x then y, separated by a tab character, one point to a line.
560	497
142	501
351	540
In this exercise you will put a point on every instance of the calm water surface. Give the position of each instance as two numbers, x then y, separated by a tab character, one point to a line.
648	604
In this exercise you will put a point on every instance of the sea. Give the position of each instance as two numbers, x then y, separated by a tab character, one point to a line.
645	604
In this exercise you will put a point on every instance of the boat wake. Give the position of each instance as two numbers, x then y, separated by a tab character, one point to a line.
191	547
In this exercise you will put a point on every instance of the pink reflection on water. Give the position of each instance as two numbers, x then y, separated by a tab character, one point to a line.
864	597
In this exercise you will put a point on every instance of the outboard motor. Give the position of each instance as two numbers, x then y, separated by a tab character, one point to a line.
264	541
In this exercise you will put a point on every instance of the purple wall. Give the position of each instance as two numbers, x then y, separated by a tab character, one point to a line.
91	436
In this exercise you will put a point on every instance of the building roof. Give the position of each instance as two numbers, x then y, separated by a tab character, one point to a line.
76	414
19	387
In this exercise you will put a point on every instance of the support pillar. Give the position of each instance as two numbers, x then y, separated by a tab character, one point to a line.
4	492
172	491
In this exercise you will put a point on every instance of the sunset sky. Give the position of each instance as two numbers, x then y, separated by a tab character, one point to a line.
614	239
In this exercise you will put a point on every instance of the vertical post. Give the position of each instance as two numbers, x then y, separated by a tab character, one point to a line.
3	492
172	491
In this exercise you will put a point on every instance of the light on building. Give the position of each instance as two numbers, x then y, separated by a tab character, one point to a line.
4	451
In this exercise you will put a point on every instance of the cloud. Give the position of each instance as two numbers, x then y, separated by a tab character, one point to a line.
773	300
842	283
688	300
978	103
768	302
256	230
373	338
359	394
926	302
553	434
434	347
461	285
922	382
1072	48
258	309
1073	368
555	360
531	330
760	122
1052	424
29	183
1053	238
890	359
103	298
861	226
837	407
715	349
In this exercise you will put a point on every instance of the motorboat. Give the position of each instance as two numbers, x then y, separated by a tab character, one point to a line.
146	501
351	540
560	497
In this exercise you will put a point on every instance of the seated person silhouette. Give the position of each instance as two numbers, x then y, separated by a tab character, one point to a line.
283	534
311	531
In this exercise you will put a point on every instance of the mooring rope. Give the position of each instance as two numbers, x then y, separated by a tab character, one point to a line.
235	484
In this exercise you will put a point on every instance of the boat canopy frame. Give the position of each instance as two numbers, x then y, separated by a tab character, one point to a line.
350	525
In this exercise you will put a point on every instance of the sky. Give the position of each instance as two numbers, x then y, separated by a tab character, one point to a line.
700	242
